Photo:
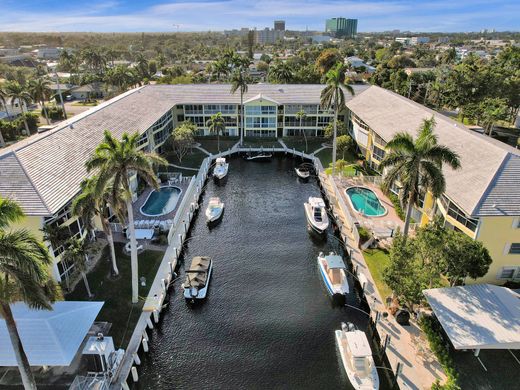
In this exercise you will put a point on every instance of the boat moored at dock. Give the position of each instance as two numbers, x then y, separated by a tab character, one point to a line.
334	274
197	278
214	210
357	359
260	156
221	168
303	173
316	214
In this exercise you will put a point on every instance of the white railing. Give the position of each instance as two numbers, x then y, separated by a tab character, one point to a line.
116	227
186	198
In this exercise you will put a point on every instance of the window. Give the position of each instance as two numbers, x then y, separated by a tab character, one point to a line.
260	110
457	214
378	153
378	140
507	272
193	109
260	122
515	248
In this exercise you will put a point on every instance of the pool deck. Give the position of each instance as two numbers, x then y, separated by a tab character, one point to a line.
142	199
383	226
420	368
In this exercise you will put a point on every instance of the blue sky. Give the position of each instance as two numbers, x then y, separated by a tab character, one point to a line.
205	15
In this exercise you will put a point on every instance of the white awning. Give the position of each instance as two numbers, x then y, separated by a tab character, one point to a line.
49	338
480	316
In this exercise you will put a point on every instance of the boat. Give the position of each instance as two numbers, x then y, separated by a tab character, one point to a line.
316	214
334	274
197	278
221	168
214	210
261	156
357	359
303	173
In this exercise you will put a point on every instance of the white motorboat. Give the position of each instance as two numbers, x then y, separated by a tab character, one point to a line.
197	278
334	274
262	156
303	173
316	214
221	168
214	210
357	359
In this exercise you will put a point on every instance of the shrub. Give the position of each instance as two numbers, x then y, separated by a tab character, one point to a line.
397	205
9	129
364	234
432	329
32	121
54	112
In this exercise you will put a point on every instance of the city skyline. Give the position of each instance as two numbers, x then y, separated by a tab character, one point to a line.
215	15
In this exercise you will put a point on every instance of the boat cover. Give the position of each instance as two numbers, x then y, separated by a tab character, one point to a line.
335	261
199	278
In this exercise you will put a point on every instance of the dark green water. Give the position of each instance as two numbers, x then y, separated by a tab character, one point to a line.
268	322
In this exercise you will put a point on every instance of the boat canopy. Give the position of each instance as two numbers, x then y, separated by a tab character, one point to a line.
358	343
335	261
221	160
214	201
316	202
198	272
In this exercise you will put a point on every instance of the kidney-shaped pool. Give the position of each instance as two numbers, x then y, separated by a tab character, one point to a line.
365	201
162	201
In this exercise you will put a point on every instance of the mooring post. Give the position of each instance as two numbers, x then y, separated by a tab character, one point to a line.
135	376
149	323
137	360
145	345
155	316
145	335
386	343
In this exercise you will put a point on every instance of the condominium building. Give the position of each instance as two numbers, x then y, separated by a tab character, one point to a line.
43	173
482	198
279	25
268	36
341	27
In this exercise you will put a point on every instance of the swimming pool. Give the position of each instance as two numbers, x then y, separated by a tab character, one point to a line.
162	201
365	201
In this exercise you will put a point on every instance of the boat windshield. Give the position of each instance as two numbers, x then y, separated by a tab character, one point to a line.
317	214
360	365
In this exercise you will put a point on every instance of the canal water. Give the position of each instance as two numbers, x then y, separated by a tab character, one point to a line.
267	322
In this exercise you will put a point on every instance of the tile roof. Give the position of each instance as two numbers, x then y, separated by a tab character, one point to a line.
489	171
44	172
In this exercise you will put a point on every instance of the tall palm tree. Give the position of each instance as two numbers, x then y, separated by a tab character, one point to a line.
333	97
116	161
3	102
239	81
76	253
417	164
90	203
18	93
216	125
24	263
40	91
301	115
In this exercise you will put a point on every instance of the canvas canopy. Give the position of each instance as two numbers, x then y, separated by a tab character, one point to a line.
335	261
480	316
49	338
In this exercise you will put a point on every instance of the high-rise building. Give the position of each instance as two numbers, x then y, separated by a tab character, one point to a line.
341	27
268	36
279	25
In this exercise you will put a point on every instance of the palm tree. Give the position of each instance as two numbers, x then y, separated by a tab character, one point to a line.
333	97
18	93
89	204
301	115
216	125
24	277
3	101
220	68
417	164
239	81
40	91
76	253
280	72
116	161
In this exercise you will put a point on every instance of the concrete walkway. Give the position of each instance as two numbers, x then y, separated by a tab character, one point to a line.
420	367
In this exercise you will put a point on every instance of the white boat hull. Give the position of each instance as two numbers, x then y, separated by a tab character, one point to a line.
368	383
220	171
333	288
302	174
213	216
202	292
316	226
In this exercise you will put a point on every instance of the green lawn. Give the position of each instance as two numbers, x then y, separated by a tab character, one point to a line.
325	157
117	294
298	143
377	260
190	160
210	143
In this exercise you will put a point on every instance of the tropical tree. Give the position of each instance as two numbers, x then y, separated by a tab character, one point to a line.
280	72
90	203
239	81
327	60
76	253
3	101
216	125
417	164
301	115
333	97
116	161
24	263
220	68
40	91
182	139
345	144
19	94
